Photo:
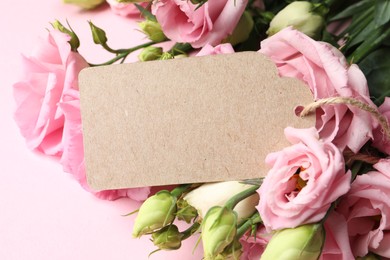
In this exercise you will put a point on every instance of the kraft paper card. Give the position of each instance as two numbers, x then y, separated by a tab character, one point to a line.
190	120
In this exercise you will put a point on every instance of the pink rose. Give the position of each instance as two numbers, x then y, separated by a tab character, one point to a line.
219	49
211	23
337	241
366	208
254	246
304	180
124	9
324	69
380	140
72	159
52	69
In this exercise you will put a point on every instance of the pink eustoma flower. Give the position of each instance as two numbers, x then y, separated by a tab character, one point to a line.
209	24
366	209
380	140
337	244
324	69
52	69
253	246
304	180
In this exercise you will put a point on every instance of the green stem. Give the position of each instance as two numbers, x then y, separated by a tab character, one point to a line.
180	48
123	53
190	231
178	191
233	201
255	219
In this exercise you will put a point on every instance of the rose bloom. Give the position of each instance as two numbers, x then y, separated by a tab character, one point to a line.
125	9
304	180
366	209
337	244
72	159
211	23
324	69
219	49
380	140
52	69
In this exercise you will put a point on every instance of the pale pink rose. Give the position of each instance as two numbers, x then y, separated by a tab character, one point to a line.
125	9
366	209
52	69
337	244
324	69
211	23
72	159
219	49
380	140
304	180
254	246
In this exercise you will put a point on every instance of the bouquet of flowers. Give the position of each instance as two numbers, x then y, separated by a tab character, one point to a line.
327	196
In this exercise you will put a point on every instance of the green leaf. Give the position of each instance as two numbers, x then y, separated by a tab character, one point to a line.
372	42
145	13
353	10
362	35
359	22
376	67
382	12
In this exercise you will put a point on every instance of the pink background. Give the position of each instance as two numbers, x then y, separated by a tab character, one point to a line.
44	213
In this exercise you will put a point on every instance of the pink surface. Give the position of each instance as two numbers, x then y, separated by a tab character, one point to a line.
44	213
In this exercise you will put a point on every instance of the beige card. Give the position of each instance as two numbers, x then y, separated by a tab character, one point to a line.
189	120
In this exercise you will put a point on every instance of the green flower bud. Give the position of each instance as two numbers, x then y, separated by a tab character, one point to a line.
156	212
219	228
185	211
86	4
167	238
303	243
300	15
153	30
98	35
166	56
74	40
150	53
242	31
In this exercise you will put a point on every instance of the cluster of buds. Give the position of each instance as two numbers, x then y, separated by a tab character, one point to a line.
220	224
218	221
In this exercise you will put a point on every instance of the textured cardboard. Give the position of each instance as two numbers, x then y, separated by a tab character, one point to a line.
191	120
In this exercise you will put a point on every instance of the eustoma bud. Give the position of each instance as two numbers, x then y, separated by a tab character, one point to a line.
185	211
153	30
156	212
167	238
301	16
215	194
218	231
242	31
303	242
86	4
150	53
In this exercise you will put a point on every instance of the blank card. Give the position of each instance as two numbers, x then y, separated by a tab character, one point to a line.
189	120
